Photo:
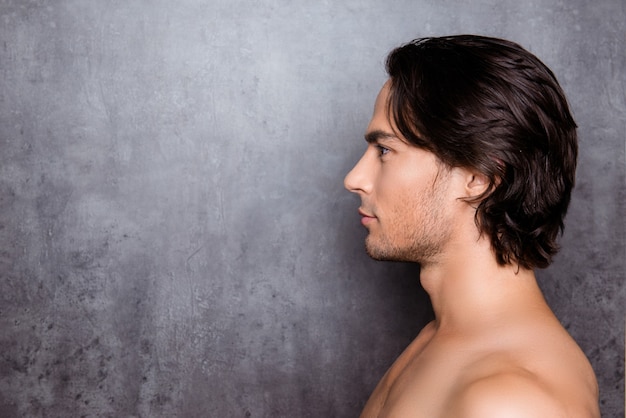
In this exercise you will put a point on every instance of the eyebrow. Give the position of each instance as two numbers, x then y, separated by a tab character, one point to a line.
374	137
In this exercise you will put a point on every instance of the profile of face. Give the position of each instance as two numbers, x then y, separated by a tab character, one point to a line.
408	197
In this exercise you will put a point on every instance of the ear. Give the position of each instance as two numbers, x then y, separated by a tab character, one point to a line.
476	184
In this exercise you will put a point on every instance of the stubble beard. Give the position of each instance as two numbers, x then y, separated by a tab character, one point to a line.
419	239
423	248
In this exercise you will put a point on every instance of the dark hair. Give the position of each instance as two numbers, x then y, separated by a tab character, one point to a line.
489	105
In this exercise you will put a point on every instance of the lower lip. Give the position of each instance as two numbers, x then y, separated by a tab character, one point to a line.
366	220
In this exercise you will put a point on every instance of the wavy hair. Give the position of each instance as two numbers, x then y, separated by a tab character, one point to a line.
489	105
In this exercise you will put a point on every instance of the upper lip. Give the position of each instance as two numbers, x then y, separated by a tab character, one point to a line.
365	214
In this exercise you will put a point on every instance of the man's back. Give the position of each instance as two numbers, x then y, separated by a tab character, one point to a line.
530	366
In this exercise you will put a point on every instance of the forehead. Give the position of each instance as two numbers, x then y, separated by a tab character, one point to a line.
380	116
382	99
382	127
381	123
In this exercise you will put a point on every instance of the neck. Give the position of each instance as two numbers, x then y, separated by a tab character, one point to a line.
473	290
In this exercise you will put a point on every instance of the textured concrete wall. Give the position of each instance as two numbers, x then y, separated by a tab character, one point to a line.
174	235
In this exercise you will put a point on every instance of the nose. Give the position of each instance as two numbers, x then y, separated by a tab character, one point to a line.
358	180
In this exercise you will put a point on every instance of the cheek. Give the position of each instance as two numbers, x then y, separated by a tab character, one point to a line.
401	203
394	182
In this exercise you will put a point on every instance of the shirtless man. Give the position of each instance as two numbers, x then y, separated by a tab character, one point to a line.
470	161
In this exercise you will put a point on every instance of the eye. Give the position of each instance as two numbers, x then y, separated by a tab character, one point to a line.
382	150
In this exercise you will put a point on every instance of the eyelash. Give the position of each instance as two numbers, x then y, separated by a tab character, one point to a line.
382	150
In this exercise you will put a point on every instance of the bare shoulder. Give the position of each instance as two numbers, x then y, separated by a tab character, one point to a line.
513	394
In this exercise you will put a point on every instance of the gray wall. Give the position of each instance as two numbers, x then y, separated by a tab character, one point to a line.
175	239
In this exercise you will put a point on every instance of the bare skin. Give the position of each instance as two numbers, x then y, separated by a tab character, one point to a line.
495	349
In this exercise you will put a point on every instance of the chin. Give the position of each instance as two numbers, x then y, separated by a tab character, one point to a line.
380	252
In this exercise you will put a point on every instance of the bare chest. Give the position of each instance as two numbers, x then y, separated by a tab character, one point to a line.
425	379
418	381
420	386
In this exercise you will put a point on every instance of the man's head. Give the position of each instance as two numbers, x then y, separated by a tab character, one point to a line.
489	106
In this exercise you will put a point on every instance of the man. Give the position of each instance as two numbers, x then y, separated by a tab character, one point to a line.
468	171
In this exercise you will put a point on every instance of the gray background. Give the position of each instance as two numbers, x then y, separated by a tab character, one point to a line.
175	239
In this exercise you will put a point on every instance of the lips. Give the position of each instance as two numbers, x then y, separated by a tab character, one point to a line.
365	214
366	218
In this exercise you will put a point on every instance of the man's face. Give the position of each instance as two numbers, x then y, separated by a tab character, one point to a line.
406	204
